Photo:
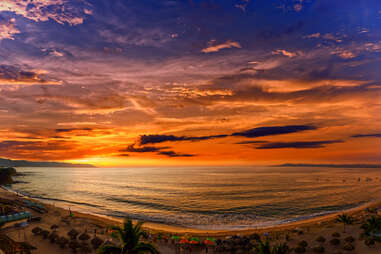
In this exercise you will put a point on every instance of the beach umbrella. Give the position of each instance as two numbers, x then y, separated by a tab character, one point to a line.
62	241
84	248
45	233
73	244
96	242
53	237
84	237
36	230
54	227
73	233
208	242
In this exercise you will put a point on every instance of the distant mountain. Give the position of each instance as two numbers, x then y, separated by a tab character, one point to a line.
331	165
24	163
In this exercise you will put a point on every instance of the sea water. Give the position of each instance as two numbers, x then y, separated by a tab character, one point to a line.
203	197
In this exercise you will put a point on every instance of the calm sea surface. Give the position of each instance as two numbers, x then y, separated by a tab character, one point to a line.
204	197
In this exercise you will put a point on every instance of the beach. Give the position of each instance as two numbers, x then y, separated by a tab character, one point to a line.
160	235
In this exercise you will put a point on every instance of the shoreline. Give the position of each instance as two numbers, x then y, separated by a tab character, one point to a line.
180	230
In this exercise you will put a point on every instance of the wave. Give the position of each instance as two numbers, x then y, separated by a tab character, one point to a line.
54	199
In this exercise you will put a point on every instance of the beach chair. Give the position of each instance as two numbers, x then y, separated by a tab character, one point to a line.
28	214
16	216
3	219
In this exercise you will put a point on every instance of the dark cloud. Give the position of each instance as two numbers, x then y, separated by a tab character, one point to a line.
153	139
123	155
144	149
252	133
251	142
34	145
174	154
10	73
298	144
73	129
273	130
375	135
153	149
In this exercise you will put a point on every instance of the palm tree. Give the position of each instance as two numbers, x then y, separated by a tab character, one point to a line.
262	247
345	219
281	248
130	243
372	225
265	248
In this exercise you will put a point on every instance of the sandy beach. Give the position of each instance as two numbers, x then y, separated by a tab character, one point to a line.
307	230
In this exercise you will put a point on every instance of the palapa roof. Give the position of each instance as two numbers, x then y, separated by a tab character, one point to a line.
84	237
73	232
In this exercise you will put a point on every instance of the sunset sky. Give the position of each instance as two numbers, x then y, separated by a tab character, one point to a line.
193	82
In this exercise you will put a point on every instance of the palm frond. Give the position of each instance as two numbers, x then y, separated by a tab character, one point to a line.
145	248
109	249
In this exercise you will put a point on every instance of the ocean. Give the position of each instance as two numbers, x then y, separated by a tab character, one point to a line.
220	198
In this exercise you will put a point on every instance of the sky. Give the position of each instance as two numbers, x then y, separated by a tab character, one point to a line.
193	82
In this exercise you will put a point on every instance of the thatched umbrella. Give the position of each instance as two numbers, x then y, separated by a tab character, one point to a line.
62	241
54	227
36	230
108	242
73	233
44	233
26	247
74	245
53	237
349	239
84	248
84	237
96	242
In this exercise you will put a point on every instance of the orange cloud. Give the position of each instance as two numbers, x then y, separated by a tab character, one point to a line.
217	47
43	10
8	29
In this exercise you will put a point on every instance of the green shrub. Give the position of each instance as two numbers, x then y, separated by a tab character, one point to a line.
318	249
348	247
349	239
335	241
303	244
369	242
299	250
320	239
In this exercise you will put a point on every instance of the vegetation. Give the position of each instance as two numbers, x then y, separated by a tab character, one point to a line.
300	249
280	249
320	239
348	247
303	244
369	242
264	247
345	219
349	239
130	241
6	175
372	225
334	241
318	249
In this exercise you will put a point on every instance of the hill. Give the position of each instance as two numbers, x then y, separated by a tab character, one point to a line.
25	163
